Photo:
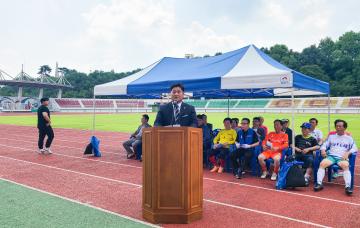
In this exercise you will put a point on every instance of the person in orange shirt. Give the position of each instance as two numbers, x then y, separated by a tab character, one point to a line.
273	144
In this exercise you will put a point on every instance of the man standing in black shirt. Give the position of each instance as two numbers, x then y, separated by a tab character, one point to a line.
44	126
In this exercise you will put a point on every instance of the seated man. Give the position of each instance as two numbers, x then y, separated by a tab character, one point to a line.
246	140
222	142
287	130
273	145
135	138
235	124
305	145
339	147
316	133
256	127
205	122
206	136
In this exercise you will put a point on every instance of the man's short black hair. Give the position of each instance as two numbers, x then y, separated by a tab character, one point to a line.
44	99
256	118
200	116
246	119
339	121
235	119
277	120
146	117
227	119
314	120
178	85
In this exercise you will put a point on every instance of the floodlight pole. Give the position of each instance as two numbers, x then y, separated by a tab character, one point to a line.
292	120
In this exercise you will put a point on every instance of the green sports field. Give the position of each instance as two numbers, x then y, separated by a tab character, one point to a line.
25	207
129	122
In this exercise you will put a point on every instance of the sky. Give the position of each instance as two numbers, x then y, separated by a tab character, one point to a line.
123	35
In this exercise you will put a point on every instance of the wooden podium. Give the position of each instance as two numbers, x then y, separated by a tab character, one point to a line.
172	174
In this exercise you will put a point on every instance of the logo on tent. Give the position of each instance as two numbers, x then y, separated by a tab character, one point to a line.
285	80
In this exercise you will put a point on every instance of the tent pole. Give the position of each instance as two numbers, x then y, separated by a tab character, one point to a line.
329	112
292	120
93	120
228	111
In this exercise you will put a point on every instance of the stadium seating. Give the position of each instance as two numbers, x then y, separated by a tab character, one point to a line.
68	103
197	103
318	103
252	104
284	103
221	103
130	104
98	103
354	103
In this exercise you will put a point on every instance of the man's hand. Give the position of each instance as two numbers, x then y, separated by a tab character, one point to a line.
305	151
266	147
225	144
346	156
323	153
245	146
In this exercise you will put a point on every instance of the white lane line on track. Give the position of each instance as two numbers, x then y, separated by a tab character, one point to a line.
81	203
239	184
265	213
70	156
282	191
72	171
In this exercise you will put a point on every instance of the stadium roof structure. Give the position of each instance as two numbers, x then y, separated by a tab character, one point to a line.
25	80
246	72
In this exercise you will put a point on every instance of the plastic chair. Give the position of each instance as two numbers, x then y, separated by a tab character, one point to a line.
319	158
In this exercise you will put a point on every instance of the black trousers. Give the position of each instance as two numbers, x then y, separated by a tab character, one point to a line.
236	158
45	131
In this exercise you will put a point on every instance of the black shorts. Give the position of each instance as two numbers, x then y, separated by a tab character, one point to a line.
308	159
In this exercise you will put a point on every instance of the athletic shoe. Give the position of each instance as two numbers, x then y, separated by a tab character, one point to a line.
264	175
221	170
307	181
215	169
131	155
335	175
273	177
48	150
348	191
41	151
318	187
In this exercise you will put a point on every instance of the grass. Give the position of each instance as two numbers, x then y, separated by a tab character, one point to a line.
129	122
24	207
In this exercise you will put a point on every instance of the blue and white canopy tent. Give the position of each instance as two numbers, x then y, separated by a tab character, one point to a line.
246	72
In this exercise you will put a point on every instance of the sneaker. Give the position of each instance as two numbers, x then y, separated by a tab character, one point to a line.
131	155
348	191
48	150
41	151
307	181
273	177
215	169
318	187
264	175
335	175
238	174
221	170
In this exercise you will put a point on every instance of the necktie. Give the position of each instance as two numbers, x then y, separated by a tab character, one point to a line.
176	113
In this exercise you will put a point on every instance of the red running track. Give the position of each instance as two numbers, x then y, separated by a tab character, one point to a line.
114	183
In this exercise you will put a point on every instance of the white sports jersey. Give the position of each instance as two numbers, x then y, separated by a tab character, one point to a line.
317	134
339	145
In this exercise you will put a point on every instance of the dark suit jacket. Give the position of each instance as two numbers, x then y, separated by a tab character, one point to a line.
165	116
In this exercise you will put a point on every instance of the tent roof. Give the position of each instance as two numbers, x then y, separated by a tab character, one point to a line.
246	72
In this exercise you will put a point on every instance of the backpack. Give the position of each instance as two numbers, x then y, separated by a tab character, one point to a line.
290	174
88	149
295	177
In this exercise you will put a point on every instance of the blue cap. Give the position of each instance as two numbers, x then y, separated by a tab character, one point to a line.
306	125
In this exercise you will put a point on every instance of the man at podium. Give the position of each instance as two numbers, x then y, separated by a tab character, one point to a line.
176	112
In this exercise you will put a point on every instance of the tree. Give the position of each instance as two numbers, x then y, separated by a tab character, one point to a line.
44	70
